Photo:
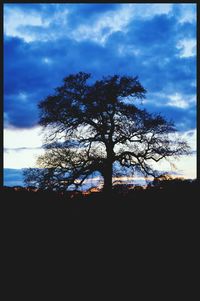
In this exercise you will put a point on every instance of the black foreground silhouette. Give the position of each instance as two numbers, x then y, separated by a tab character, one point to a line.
163	200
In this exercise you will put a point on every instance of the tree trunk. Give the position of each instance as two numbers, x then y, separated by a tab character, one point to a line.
108	177
108	169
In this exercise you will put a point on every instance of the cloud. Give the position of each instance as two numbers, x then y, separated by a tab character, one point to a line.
187	47
102	27
32	22
185	12
15	18
191	137
23	158
154	41
183	118
176	100
83	21
22	138
22	147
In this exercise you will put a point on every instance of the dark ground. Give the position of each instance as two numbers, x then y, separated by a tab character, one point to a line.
143	210
148	236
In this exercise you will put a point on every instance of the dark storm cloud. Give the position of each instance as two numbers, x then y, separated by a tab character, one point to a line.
82	13
158	62
184	119
144	47
26	81
33	70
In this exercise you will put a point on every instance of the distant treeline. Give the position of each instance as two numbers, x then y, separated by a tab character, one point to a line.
163	184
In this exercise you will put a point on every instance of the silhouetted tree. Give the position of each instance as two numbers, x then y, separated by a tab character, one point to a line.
168	183
95	127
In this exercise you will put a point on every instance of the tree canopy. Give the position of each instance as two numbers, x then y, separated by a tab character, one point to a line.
96	127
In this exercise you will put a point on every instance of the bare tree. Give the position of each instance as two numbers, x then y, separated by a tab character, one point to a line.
95	126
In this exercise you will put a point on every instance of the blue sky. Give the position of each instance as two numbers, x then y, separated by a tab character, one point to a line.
43	43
